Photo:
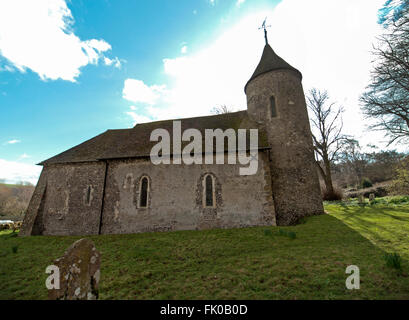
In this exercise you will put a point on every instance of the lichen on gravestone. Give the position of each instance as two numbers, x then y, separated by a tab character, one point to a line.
79	269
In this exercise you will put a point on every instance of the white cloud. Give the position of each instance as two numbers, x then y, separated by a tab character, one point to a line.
183	50
138	118
240	2
328	41
14	141
214	76
99	45
38	35
332	48
108	61
24	156
6	68
14	172
137	91
115	62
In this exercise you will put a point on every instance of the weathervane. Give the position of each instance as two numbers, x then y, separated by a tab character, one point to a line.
264	26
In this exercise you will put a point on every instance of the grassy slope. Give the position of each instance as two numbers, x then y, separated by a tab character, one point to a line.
8	185
232	264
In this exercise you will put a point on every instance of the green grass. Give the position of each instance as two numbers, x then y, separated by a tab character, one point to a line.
307	261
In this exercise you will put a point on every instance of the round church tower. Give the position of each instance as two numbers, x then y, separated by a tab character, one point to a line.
276	101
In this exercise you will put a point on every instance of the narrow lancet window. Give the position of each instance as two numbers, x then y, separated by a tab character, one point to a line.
143	195
88	199
209	192
273	107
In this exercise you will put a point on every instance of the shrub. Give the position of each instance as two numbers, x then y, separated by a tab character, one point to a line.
366	183
399	200
393	260
379	201
400	184
337	195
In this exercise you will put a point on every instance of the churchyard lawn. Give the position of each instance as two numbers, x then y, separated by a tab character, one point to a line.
307	261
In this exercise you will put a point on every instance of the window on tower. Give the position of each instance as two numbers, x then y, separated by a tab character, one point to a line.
273	107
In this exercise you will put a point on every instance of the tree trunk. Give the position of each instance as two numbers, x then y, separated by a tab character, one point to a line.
326	175
328	178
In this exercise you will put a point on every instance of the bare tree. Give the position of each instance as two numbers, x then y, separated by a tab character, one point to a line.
386	99
327	134
14	200
353	157
221	110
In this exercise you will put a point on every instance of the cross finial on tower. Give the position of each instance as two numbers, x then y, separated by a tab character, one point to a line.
264	26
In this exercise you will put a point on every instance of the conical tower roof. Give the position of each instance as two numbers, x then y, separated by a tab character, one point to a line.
270	61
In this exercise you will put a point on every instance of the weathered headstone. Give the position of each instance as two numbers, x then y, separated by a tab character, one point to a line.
372	197
17	225
79	270
361	198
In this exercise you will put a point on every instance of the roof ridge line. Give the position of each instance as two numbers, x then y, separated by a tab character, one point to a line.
190	118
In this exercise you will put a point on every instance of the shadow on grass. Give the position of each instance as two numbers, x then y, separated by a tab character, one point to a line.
215	264
383	226
394	216
369	217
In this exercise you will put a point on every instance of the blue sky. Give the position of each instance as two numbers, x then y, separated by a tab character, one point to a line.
74	69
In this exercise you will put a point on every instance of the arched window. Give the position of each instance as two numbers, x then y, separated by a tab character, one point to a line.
273	107
143	192
208	194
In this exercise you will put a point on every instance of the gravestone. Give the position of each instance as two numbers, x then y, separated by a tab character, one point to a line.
79	271
361	198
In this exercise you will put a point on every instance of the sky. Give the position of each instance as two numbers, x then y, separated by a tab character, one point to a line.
70	70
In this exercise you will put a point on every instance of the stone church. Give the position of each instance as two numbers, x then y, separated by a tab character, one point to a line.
108	184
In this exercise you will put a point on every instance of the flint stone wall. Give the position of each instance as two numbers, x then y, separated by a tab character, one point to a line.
296	186
63	205
60	203
176	193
